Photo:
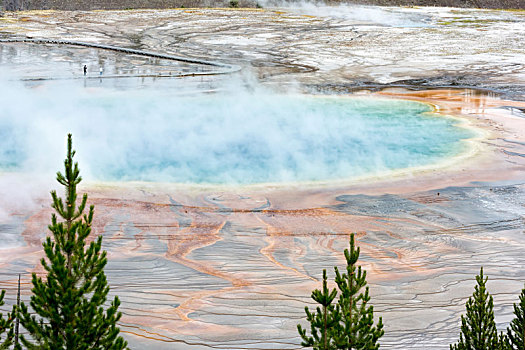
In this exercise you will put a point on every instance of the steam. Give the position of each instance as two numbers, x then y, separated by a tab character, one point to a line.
18	194
356	14
237	136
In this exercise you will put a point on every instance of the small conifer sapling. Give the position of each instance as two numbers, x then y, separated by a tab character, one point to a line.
356	330
6	326
347	324
478	328
323	321
70	300
516	330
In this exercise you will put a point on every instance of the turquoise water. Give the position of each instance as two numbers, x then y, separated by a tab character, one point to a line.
222	138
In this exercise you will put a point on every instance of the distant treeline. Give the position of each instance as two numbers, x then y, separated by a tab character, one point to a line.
75	5
72	5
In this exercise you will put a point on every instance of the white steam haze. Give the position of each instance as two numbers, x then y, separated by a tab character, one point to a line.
355	14
237	136
18	193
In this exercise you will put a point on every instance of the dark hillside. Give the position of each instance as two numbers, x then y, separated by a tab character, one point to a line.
71	5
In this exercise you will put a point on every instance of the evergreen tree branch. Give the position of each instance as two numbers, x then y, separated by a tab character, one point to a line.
478	328
349	324
71	299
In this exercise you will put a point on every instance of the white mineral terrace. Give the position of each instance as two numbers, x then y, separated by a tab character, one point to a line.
232	267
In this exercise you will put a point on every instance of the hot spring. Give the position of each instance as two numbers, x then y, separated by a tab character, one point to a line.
226	137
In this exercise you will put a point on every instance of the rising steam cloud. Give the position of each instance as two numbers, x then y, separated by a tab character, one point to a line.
233	137
355	14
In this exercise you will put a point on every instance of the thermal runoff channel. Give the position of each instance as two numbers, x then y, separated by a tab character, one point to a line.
226	137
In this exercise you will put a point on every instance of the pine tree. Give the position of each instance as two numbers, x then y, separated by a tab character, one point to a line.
516	330
6	325
322	322
356	330
349	324
503	342
478	328
70	301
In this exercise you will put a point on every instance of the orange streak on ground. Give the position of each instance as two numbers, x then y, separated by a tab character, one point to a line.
179	249
270	248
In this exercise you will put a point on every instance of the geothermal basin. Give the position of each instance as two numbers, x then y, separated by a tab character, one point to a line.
229	137
221	198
